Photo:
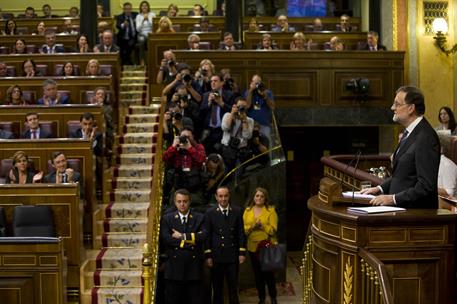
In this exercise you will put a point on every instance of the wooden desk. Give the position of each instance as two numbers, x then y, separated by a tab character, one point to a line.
63	199
416	247
76	85
299	23
40	152
31	272
282	40
311	79
68	41
58	114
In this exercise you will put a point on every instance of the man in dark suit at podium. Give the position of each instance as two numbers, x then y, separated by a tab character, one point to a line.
416	160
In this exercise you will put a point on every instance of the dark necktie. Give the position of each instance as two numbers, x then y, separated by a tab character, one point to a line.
214	115
184	220
402	140
34	134
225	213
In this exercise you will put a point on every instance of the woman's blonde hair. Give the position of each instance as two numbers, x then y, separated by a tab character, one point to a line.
18	156
207	61
168	21
250	203
89	63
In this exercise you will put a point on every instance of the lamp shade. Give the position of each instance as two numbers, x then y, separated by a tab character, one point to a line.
439	25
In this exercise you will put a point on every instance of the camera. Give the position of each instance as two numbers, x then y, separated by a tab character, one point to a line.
228	84
255	133
187	78
216	94
171	63
241	109
185	98
183	139
260	86
176	115
358	85
204	72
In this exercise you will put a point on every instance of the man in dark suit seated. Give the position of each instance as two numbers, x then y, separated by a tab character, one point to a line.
126	36
107	45
34	132
51	96
416	160
50	47
183	233
61	174
47	12
88	130
229	44
372	43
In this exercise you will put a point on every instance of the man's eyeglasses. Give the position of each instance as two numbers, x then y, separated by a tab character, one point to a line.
398	105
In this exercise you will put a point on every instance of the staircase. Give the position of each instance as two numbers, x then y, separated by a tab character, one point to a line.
112	271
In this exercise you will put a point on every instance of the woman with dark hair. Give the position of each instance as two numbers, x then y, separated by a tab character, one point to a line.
143	23
82	45
21	173
19	47
10	27
40	28
67	69
101	98
260	224
29	69
172	10
14	96
447	120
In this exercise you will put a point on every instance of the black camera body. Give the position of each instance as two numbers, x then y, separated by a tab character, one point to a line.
171	63
183	139
204	72
242	109
260	86
216	94
176	115
185	98
187	78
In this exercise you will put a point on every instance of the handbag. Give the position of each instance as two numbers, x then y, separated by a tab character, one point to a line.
272	257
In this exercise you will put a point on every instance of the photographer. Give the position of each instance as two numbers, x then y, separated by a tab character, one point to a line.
167	71
214	105
183	77
185	158
237	128
174	123
260	104
203	76
229	83
259	144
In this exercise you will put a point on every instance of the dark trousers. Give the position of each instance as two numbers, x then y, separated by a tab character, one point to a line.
262	277
211	137
178	292
127	47
229	271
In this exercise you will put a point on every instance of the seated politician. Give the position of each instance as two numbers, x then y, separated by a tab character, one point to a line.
62	173
51	96
34	131
21	172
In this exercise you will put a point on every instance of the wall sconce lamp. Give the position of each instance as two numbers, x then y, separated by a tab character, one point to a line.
440	29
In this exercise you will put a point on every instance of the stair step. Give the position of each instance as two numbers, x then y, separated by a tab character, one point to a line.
117	295
141	128
152	109
119	258
133	171
126	210
138	138
136	159
136	148
123	225
109	278
142	118
131	184
134	196
121	240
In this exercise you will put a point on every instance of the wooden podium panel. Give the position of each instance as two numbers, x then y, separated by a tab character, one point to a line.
31	273
416	246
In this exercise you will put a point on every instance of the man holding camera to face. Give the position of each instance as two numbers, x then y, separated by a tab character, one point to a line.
237	128
260	104
183	78
168	68
215	104
185	157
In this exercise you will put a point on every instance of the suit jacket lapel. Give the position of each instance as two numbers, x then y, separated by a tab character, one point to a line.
409	141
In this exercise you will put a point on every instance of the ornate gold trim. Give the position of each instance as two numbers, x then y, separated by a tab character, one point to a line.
394	25
347	283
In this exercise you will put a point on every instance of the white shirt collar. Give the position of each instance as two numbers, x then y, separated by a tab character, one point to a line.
412	125
226	208
183	215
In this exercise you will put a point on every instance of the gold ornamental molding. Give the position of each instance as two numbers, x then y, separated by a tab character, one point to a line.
348	282
394	25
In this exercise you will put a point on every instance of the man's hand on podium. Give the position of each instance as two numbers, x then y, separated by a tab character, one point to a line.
380	200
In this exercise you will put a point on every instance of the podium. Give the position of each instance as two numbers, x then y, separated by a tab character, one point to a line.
403	257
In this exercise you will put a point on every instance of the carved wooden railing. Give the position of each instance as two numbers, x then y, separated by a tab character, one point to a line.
151	247
375	281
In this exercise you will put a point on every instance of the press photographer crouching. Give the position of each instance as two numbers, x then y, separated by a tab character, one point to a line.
260	104
237	128
184	160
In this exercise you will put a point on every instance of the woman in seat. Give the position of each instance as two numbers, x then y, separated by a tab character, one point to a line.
82	46
14	96
21	173
93	68
260	224
10	27
19	47
67	70
447	120
165	25
29	69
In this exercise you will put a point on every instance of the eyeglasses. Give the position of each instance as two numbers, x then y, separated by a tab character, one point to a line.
398	105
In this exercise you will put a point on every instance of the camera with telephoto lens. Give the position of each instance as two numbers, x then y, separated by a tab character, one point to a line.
187	78
185	98
183	139
171	63
260	86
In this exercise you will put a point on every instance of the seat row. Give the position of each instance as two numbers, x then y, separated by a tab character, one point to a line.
28	221
43	70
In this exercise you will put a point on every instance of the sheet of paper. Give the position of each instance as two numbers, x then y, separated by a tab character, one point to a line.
348	194
375	209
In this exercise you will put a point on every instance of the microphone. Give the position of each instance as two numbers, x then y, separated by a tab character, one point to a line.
359	153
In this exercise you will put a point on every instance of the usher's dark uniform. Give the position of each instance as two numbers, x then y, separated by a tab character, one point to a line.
226	241
183	268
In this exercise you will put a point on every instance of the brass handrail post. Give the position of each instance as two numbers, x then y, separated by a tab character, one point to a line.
147	273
